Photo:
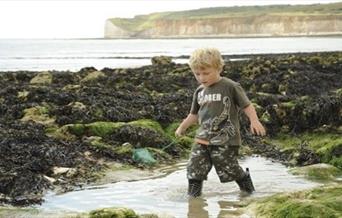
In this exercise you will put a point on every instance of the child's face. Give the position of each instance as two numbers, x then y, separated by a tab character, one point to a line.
207	76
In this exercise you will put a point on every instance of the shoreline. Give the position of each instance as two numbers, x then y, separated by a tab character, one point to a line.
224	37
226	57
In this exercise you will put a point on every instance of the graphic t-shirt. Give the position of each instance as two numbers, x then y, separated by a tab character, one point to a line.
217	107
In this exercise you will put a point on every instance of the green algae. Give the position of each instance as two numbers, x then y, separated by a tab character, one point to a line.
113	212
319	172
101	129
336	161
43	78
316	203
146	123
92	76
17	212
326	145
38	114
23	95
62	133
266	117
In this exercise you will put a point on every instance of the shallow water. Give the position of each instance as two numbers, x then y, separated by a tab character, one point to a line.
74	54
166	194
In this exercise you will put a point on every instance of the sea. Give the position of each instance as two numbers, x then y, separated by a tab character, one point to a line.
75	54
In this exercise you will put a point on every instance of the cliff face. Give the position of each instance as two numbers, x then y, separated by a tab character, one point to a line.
247	26
113	31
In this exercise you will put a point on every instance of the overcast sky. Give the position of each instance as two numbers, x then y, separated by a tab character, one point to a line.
86	19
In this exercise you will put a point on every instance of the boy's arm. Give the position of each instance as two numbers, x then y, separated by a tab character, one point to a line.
188	121
256	127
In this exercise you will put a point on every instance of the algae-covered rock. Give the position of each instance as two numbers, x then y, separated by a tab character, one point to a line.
43	78
71	87
310	145
161	60
38	114
265	117
101	129
23	95
113	212
151	124
318	172
316	203
77	106
92	76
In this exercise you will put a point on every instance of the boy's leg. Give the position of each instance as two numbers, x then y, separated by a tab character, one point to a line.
195	188
225	161
198	168
245	183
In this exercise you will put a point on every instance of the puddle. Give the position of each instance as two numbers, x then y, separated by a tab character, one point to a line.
167	194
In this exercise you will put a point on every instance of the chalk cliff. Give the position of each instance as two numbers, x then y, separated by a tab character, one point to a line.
232	22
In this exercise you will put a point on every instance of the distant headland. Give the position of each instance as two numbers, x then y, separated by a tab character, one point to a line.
224	22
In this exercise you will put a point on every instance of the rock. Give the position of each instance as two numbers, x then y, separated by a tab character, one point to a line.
43	78
62	170
93	76
161	60
50	179
320	171
77	106
71	87
113	212
38	114
23	95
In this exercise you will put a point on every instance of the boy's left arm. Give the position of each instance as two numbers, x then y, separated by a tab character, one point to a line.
256	127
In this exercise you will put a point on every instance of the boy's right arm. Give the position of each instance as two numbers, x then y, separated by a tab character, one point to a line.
188	121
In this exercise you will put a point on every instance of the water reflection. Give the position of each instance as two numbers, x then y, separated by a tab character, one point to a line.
197	208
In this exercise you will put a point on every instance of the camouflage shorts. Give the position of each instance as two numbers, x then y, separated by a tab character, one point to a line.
223	157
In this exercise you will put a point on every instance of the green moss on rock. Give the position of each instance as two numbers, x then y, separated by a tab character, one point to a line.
61	133
317	203
96	142
326	145
23	95
102	128
38	114
265	117
146	123
337	162
113	212
125	148
93	76
323	172
43	78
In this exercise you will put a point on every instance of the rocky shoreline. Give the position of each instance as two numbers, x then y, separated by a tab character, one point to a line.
60	129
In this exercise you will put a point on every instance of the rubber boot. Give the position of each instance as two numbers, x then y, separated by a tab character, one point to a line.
246	183
195	188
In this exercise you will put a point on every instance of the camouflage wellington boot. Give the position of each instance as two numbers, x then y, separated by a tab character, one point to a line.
195	188
246	183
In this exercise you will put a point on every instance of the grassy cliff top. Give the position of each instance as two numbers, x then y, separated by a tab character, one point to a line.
141	22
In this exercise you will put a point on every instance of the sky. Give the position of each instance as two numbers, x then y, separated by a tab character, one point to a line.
86	19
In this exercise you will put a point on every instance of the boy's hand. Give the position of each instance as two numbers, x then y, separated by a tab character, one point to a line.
179	132
257	128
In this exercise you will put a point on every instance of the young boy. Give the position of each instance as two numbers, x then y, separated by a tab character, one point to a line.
215	106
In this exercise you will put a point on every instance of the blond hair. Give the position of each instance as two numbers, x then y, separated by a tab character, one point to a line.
206	57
